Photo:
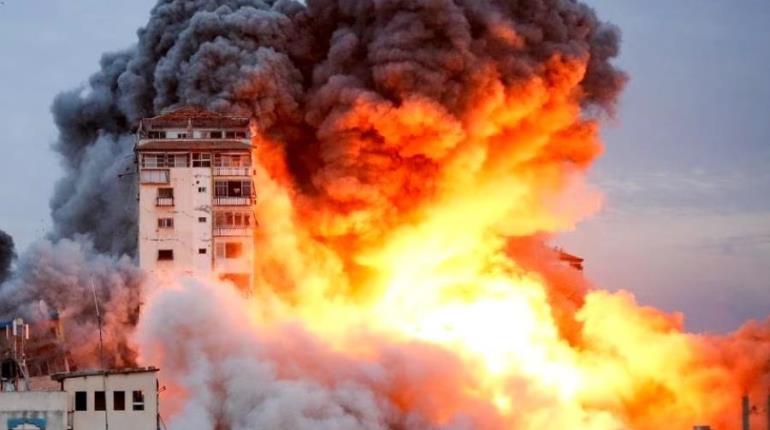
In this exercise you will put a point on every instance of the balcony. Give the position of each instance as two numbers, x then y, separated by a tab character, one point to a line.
164	201
231	171
233	201
232	232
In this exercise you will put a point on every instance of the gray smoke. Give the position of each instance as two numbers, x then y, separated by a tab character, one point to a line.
7	255
61	279
296	69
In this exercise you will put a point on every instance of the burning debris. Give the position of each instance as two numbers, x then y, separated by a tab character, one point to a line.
413	159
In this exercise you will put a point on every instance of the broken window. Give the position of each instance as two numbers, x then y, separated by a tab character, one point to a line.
138	400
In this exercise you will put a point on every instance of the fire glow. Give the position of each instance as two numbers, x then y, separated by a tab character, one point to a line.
413	159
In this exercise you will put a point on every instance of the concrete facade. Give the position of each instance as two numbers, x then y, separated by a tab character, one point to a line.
121	399
196	195
27	410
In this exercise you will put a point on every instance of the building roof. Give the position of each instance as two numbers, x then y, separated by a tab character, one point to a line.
99	372
194	116
193	145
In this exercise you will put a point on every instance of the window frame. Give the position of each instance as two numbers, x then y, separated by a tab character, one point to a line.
137	400
165	255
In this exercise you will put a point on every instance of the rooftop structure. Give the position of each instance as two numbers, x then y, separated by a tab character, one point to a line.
196	194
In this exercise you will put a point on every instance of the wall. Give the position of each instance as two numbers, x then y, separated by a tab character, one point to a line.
46	409
128	419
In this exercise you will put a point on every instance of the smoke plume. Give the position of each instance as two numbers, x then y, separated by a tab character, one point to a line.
7	255
414	158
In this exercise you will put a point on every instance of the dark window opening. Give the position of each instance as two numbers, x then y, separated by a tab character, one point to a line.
165	222
202	219
216	134
201	189
201	159
100	401
119	400
81	401
201	250
165	254
156	134
138	400
165	193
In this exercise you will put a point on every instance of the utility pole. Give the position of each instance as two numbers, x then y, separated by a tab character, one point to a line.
746	413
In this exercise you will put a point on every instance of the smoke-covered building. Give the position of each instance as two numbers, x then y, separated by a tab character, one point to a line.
196	194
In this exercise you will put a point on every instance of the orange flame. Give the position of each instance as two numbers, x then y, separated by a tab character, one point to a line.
422	253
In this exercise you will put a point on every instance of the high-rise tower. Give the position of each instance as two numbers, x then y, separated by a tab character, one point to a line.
196	194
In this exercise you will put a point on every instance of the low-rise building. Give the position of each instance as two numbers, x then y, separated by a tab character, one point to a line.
116	399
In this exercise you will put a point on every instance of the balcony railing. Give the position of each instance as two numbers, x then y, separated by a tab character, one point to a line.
231	171
164	201
232	231
233	201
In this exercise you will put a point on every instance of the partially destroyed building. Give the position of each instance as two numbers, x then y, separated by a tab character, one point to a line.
196	194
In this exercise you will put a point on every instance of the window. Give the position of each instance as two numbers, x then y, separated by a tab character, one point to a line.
232	219
154	176
201	159
100	401
165	254
232	188
202	219
202	251
81	400
165	222
230	134
216	134
156	134
232	160
119	400
138	400
201	189
181	136
233	250
229	250
240	134
178	160
154	160
165	197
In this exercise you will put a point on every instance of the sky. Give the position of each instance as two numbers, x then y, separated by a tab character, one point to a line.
686	169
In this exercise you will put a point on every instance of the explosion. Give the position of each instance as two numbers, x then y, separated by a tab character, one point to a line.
413	159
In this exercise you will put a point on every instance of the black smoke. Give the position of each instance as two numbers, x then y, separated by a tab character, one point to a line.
294	68
7	255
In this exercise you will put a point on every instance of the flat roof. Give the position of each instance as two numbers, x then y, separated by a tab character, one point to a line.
194	116
192	145
102	372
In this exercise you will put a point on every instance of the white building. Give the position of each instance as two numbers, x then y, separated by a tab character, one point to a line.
196	194
115	399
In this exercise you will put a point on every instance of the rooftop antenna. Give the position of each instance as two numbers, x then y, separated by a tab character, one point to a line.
99	322
101	353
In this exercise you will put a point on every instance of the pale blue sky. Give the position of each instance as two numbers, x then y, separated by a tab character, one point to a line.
687	221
